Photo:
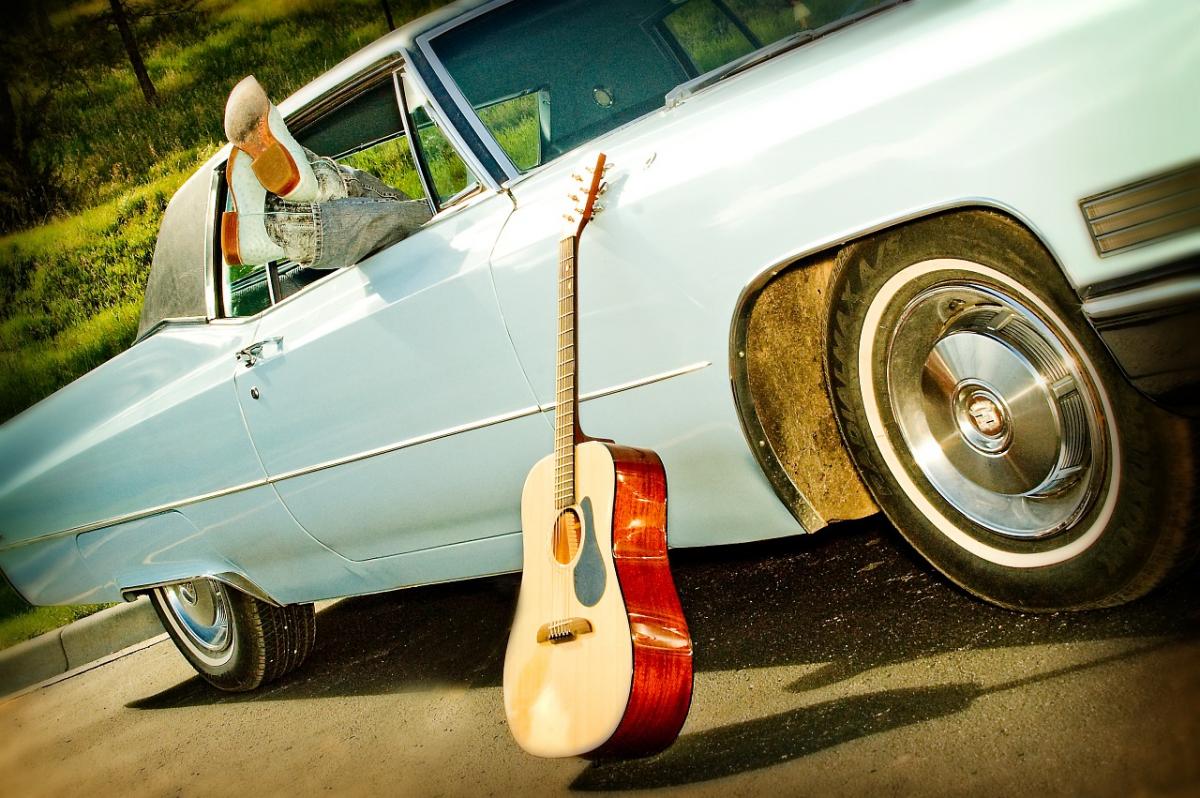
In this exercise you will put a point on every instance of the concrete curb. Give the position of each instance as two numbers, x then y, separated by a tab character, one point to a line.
76	644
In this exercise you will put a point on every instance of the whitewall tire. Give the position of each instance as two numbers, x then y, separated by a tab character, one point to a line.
992	426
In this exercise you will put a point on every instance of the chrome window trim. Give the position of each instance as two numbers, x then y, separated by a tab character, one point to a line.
414	143
381	450
713	77
210	250
173	321
452	89
344	90
452	132
473	164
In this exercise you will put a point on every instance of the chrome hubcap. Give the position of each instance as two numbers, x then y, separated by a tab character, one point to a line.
994	410
202	611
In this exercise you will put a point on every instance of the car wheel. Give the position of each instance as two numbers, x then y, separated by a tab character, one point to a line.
233	640
991	425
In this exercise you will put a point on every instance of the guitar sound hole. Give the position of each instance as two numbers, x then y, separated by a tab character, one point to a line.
567	534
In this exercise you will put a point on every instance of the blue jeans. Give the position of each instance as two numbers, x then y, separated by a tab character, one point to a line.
361	215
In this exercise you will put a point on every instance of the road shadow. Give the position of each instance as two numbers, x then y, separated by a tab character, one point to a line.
775	739
848	600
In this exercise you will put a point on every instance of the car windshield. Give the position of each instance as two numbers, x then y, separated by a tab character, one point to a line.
544	78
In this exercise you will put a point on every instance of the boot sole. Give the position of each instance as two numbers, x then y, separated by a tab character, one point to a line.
275	168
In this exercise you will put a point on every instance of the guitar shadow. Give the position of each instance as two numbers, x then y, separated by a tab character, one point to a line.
763	742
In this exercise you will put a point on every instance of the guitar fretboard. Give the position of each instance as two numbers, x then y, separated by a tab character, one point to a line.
566	396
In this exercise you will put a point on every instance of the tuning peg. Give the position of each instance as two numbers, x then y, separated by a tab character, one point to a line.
569	217
573	197
607	166
597	209
600	189
578	177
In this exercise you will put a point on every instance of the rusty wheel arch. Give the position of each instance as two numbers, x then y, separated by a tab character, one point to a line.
778	373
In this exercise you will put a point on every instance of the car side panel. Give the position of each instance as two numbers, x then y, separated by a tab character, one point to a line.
394	416
1019	105
156	426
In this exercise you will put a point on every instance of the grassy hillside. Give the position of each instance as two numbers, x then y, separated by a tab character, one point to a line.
71	289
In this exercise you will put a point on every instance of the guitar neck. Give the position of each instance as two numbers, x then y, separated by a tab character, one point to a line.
566	401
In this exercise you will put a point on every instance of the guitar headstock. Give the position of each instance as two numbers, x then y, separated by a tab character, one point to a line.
587	185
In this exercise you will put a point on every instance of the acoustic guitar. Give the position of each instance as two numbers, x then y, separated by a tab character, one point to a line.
599	659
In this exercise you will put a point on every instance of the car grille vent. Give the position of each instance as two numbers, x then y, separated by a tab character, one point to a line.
1144	212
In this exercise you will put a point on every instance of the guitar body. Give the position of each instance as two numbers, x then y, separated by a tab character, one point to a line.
599	658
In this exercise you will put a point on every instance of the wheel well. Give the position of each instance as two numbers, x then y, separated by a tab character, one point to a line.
778	369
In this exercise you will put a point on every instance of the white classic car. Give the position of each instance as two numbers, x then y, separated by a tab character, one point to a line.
936	258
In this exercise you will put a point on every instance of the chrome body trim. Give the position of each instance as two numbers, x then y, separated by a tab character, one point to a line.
1143	213
1162	295
381	450
752	429
624	386
405	444
234	580
137	515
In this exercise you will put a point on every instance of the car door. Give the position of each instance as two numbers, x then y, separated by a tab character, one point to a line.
386	401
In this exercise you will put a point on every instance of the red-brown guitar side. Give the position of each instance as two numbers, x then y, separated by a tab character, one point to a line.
661	692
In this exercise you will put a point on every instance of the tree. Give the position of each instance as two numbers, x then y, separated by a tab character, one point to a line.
131	48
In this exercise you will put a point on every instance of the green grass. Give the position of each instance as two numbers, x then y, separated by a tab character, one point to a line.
19	621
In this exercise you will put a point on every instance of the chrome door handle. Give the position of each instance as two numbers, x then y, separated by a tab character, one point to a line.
251	354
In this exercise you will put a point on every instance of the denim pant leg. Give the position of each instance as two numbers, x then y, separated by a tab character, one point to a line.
364	184
350	229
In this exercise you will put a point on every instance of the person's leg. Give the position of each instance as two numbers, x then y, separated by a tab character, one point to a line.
341	232
345	214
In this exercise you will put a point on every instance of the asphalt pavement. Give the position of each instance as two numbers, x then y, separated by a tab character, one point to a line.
837	664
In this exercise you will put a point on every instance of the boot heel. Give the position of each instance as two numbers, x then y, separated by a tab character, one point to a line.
276	170
229	238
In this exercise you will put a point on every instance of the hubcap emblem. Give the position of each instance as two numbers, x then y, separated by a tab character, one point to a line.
985	415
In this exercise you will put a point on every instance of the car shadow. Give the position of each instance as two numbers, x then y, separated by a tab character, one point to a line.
846	601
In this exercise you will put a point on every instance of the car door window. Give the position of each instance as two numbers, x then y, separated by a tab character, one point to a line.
367	132
521	126
600	65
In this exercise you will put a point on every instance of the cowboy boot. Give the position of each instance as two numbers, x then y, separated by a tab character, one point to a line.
255	126
244	238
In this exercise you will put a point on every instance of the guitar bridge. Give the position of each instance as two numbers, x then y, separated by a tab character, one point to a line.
563	631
